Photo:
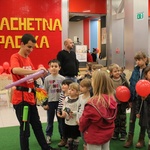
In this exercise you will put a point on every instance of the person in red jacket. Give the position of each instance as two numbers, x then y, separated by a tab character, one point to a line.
97	120
89	56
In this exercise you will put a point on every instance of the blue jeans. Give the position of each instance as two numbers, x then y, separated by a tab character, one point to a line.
50	118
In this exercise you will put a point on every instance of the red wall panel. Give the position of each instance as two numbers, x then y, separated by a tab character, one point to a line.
86	32
87	6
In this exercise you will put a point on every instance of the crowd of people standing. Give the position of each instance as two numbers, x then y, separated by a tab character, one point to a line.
85	108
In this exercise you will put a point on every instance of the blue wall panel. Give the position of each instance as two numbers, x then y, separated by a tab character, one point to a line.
93	34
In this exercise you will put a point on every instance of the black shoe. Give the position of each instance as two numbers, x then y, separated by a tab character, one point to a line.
54	148
115	136
123	138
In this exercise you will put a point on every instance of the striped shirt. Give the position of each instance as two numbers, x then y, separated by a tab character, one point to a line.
61	101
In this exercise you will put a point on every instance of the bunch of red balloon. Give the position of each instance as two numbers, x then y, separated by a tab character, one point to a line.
5	69
122	93
143	88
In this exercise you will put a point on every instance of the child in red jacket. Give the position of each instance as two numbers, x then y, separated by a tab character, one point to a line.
97	120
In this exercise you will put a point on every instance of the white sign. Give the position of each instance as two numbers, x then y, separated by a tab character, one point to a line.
81	53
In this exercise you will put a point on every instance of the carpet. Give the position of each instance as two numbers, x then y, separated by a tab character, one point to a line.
9	139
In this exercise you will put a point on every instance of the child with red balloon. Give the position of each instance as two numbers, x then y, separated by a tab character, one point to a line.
121	85
141	62
143	102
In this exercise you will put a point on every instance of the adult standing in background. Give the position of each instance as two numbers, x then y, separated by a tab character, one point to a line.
94	54
24	94
89	56
69	63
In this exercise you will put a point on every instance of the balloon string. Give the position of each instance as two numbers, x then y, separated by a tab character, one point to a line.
141	106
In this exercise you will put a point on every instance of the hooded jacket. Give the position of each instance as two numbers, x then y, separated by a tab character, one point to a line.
97	122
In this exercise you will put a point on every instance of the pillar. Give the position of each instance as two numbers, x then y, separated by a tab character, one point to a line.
135	29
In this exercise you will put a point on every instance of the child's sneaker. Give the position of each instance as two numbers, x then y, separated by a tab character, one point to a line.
115	136
122	138
148	147
66	146
48	139
62	143
51	148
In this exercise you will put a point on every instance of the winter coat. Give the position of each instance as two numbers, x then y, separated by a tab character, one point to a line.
97	121
135	77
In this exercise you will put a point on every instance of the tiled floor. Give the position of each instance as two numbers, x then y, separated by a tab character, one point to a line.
8	116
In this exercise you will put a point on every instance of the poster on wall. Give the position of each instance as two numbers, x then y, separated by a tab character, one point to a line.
42	21
103	35
81	53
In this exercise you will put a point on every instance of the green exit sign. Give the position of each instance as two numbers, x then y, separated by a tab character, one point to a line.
140	15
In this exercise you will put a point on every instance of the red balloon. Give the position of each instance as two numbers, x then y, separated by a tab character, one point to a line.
1	69
122	93
143	88
40	65
6	65
9	70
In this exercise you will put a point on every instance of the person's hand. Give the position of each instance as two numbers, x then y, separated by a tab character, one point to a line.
130	104
45	71
138	115
128	107
45	107
61	115
143	98
77	122
70	114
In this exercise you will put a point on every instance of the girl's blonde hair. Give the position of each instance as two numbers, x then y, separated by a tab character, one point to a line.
112	66
86	82
75	86
97	67
102	84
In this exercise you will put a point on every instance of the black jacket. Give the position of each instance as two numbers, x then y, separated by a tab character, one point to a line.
69	63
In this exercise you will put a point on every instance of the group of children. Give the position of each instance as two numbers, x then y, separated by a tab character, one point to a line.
65	100
90	109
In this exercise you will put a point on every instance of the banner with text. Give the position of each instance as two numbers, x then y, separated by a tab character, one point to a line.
41	18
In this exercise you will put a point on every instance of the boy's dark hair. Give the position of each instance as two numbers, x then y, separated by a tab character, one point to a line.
27	37
67	81
54	61
94	49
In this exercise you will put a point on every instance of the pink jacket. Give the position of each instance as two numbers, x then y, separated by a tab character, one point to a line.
97	122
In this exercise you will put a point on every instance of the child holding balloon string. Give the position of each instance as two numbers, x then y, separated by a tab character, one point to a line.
120	121
141	62
143	102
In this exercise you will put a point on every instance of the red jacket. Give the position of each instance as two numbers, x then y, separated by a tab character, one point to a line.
89	57
97	122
